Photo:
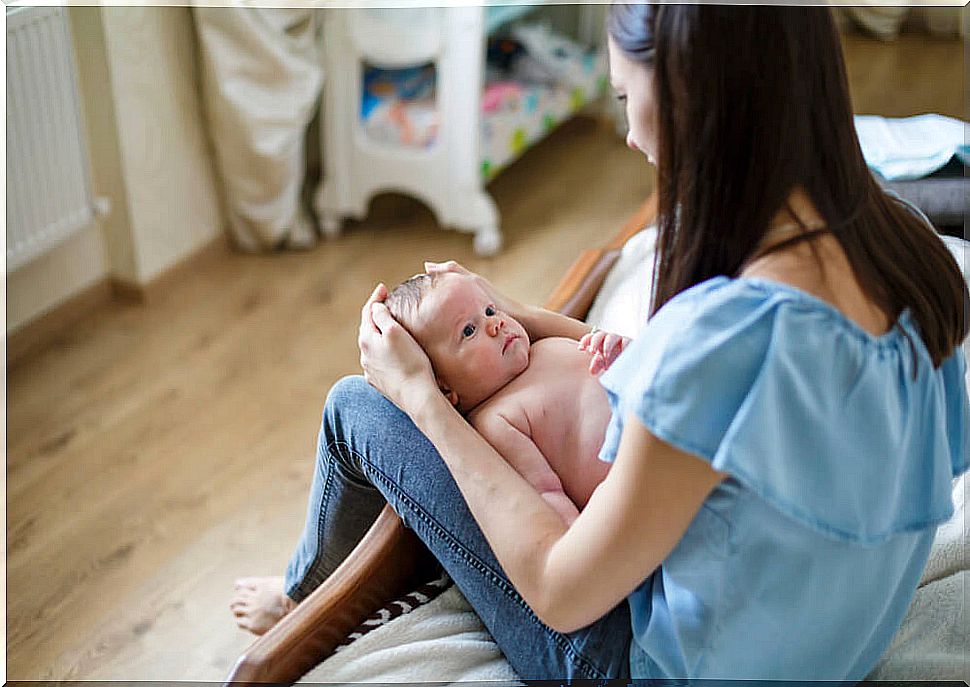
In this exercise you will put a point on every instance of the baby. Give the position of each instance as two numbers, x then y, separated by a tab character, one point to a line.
537	404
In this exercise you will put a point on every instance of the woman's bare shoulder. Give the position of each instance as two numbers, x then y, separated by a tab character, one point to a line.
826	274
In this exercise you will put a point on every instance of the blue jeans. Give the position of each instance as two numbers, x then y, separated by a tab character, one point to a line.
370	453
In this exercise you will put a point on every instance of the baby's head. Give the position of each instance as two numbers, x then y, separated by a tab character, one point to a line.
474	349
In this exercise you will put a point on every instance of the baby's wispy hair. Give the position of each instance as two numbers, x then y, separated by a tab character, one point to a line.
404	299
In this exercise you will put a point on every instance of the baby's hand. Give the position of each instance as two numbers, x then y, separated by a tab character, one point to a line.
605	347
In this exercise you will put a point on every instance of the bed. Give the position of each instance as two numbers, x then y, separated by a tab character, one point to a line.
389	614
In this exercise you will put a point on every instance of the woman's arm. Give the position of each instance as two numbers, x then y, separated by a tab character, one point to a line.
542	323
569	576
573	576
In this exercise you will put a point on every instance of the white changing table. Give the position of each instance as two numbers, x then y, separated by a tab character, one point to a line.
449	176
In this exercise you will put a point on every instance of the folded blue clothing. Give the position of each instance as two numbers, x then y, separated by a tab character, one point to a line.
911	147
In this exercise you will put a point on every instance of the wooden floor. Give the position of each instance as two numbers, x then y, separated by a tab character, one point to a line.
156	453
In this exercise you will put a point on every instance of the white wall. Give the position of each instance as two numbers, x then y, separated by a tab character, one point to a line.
148	152
38	286
173	204
102	136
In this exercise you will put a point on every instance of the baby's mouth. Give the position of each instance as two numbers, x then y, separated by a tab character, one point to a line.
508	342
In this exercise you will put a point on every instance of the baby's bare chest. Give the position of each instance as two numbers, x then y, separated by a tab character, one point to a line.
564	407
555	367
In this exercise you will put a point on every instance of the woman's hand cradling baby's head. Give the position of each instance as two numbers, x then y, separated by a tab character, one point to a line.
447	266
392	360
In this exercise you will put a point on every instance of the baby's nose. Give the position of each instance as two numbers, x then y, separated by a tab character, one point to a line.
495	325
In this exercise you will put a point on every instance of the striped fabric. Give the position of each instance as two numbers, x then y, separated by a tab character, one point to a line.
407	603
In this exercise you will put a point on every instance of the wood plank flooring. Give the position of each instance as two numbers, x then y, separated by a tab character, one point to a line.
156	453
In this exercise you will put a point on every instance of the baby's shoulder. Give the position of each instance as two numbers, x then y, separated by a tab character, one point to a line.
557	361
554	343
518	403
508	405
552	362
554	350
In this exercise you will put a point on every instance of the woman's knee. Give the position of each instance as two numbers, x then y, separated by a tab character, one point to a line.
352	399
348	398
357	418
345	397
348	390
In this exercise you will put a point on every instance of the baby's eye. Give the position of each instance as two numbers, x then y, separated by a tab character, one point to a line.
489	311
468	330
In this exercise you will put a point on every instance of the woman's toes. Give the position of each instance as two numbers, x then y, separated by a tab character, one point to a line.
259	603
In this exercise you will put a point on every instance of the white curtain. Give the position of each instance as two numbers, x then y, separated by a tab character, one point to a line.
261	81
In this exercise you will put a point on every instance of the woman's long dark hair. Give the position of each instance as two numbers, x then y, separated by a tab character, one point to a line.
752	102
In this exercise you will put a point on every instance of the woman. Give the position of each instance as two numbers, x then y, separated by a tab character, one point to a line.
784	430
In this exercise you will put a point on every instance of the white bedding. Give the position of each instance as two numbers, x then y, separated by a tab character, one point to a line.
444	641
934	641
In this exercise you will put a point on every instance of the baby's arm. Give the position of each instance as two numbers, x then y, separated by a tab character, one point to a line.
521	453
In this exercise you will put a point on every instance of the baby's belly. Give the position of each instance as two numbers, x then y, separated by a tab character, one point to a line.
567	412
571	442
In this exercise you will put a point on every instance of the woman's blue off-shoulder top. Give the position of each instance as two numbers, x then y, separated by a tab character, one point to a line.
841	448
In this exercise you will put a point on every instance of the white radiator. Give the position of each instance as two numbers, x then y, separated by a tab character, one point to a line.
48	191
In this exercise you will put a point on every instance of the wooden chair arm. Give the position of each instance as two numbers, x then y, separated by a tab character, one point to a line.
390	560
577	289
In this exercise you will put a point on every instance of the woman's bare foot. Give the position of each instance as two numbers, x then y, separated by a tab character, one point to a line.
260	603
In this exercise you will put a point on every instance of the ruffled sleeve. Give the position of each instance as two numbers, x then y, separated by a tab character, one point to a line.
822	420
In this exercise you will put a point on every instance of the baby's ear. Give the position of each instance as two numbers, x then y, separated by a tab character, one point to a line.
449	393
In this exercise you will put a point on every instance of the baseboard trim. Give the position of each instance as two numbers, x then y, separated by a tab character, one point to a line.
145	294
39	332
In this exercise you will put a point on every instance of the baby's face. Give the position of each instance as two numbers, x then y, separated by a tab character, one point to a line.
475	350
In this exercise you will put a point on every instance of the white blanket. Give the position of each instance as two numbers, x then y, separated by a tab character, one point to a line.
445	641
934	641
442	641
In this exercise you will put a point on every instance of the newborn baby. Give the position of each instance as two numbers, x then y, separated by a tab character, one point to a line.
537	404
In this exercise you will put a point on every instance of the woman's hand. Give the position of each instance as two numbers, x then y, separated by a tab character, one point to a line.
605	347
392	360
502	302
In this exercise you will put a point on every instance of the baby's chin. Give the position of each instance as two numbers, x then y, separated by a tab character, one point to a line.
486	392
520	365
526	355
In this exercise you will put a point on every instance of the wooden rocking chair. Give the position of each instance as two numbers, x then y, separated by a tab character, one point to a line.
390	560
